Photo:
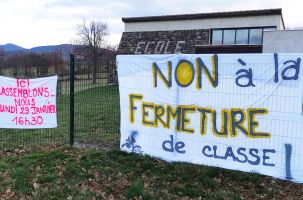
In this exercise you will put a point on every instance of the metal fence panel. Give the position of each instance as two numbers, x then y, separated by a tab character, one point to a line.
96	117
22	138
97	112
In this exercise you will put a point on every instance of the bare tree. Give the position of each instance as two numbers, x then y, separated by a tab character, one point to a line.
92	37
56	60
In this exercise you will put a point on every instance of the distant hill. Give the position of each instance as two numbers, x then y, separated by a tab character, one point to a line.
52	48
12	48
64	49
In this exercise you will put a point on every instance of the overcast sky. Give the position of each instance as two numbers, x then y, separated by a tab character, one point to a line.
30	23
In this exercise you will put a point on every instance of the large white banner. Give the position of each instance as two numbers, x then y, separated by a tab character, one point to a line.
239	111
28	103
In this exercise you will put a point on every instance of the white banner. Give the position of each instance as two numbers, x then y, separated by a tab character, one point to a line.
236	111
28	103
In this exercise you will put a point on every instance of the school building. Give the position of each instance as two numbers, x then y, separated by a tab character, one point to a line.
251	31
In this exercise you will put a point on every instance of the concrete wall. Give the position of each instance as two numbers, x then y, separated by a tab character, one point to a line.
288	41
232	22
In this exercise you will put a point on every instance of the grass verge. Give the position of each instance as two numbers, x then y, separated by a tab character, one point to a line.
70	173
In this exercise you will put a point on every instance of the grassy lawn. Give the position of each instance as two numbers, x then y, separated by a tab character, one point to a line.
96	120
70	173
97	112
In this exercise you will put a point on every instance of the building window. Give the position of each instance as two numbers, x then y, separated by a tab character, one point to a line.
217	36
255	36
242	36
239	36
229	36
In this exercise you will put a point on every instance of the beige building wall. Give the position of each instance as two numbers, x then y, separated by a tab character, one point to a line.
230	22
287	41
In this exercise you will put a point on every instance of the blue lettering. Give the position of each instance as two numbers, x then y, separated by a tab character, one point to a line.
179	146
254	153
288	150
266	157
209	149
168	145
295	66
240	152
215	153
246	74
229	153
252	156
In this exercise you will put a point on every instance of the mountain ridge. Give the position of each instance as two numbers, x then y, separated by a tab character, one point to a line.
13	48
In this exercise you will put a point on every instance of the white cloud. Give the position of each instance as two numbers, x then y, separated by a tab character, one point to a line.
35	22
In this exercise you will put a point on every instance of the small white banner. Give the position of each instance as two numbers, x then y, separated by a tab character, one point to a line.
28	103
236	111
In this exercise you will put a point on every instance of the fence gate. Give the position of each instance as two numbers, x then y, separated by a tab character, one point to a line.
96	102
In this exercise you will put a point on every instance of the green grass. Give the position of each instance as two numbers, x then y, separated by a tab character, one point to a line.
96	120
135	189
88	174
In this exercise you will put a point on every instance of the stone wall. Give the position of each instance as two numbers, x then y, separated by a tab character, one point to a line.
162	42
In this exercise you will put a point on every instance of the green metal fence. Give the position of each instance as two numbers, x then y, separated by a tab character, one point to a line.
22	138
97	113
87	107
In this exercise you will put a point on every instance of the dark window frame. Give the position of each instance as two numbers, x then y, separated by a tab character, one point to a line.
248	28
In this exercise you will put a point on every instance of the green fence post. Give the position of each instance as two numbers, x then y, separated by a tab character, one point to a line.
72	100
